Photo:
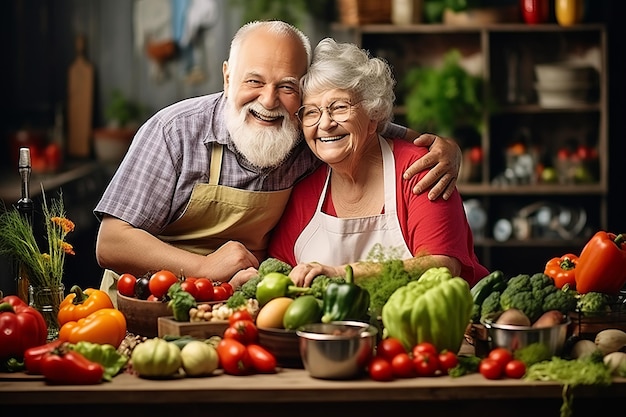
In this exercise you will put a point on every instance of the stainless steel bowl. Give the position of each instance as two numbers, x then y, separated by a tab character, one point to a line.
518	337
336	350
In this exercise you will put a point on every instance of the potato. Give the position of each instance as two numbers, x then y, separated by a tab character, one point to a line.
549	319
272	313
513	317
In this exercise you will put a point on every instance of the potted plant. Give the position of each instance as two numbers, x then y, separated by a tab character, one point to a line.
122	120
445	99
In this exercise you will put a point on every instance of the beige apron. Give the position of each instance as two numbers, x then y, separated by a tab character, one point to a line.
216	214
336	241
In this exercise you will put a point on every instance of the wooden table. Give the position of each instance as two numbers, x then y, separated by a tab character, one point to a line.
292	392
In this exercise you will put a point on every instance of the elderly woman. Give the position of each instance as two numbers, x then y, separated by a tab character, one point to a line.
358	200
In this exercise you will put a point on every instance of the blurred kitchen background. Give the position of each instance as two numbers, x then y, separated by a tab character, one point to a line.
80	75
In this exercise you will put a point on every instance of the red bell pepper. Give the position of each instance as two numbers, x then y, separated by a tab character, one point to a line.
562	270
34	355
68	367
21	327
602	264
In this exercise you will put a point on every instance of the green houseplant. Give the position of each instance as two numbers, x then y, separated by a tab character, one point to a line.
444	99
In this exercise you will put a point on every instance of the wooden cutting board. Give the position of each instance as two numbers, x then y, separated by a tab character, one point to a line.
80	103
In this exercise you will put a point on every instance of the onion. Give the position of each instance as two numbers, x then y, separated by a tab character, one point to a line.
616	362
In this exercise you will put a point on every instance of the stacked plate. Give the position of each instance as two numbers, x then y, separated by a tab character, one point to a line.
562	84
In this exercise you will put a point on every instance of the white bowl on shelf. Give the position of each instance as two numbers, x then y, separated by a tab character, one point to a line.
563	75
559	97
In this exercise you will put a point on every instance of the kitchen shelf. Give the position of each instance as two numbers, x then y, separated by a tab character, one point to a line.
505	55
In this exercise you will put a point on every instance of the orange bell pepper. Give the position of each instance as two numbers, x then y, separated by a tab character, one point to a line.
79	304
562	270
104	326
602	264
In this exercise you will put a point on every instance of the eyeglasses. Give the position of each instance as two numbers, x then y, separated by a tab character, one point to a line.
338	111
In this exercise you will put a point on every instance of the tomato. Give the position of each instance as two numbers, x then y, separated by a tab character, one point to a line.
515	369
142	290
402	366
490	368
262	360
476	154
501	355
389	347
425	347
447	360
241	314
161	281
380	369
220	293
234	357
126	285
205	289
190	287
229	288
426	363
245	331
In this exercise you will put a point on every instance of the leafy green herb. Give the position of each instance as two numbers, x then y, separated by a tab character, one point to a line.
590	370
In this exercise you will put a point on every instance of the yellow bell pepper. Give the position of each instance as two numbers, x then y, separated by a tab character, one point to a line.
107	325
79	304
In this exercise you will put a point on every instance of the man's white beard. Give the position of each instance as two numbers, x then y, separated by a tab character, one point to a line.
262	146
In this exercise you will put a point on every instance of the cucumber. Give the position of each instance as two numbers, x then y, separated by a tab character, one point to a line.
493	282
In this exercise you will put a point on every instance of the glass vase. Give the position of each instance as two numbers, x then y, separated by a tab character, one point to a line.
47	301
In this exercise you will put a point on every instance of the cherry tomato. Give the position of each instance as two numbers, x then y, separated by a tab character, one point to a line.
142	289
490	368
262	360
501	355
190	287
244	331
126	285
205	289
426	363
241	314
515	369
220	293
389	347
402	366
161	281
380	369
447	360
234	357
425	347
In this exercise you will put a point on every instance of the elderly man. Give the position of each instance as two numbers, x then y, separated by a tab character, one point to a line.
205	180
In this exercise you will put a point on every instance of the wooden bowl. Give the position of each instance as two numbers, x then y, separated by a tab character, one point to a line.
283	344
141	315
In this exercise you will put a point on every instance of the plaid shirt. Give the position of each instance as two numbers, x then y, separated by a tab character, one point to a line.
171	153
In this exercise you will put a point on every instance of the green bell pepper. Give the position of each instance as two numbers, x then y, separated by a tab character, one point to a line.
274	285
436	308
345	301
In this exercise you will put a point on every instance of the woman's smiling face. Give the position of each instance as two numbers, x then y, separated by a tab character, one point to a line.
332	141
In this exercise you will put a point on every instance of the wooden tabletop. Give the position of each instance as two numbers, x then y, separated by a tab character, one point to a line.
469	395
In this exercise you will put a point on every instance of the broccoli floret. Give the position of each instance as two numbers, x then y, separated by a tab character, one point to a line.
274	265
393	275
593	304
490	305
249	288
563	300
524	301
321	282
237	300
515	285
541	284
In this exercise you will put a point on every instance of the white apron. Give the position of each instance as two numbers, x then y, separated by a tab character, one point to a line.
336	241
216	214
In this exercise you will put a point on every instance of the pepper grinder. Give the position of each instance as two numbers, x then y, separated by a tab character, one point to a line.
25	207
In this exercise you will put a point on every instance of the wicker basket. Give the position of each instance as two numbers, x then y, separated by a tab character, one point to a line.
363	12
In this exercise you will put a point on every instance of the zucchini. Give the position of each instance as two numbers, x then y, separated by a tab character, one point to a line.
493	282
